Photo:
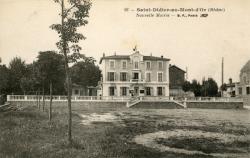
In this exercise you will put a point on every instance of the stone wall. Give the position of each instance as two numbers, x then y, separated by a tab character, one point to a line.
157	105
215	105
144	104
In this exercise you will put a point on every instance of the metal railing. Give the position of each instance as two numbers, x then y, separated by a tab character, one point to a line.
64	98
123	98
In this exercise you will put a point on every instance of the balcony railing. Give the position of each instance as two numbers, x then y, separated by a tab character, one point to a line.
137	80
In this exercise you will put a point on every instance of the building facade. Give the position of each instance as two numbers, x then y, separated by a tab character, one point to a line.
243	87
230	88
176	80
78	90
134	75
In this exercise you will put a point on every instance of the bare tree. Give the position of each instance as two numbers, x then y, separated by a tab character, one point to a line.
73	15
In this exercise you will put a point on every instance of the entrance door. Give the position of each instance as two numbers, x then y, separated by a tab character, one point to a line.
136	91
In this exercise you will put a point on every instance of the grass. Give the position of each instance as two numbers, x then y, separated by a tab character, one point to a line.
28	133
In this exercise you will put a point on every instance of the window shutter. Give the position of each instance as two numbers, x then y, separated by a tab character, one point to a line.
108	76
151	91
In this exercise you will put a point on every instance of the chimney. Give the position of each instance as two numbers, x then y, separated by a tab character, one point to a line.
103	55
162	56
150	54
230	81
115	53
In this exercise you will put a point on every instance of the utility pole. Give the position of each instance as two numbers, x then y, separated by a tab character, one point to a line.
222	75
186	73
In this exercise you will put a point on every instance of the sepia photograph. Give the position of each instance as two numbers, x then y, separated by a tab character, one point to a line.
124	79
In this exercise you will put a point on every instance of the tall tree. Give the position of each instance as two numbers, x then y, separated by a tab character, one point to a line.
51	70
209	88
85	73
73	15
17	69
4	79
196	88
186	86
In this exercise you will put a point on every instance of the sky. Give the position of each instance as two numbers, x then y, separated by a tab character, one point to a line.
196	43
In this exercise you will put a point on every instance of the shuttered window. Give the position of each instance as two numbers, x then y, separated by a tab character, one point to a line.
111	76
123	91
148	77
123	76
160	77
111	91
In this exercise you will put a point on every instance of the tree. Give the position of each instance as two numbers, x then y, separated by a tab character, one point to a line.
86	73
28	82
4	79
17	68
51	71
72	17
209	88
196	88
186	86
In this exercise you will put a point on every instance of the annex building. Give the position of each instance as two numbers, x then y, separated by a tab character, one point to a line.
134	75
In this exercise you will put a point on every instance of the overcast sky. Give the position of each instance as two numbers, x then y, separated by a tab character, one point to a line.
196	43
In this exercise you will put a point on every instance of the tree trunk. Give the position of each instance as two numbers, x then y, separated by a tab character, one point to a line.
50	103
68	76
43	99
39	99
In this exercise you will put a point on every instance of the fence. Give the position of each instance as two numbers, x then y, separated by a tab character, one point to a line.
121	98
64	98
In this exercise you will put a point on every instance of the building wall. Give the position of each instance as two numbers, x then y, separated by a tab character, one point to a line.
142	76
243	85
176	77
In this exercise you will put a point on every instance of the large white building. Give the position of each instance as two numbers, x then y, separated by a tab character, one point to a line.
243	87
134	75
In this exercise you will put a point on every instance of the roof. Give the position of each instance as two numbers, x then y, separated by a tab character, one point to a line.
177	68
246	67
154	58
128	57
231	84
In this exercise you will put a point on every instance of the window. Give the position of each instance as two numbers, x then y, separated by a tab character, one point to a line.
124	64
248	90
123	76
111	76
148	91
76	91
148	77
159	91
136	75
136	65
148	65
111	91
123	91
112	64
160	77
160	65
240	90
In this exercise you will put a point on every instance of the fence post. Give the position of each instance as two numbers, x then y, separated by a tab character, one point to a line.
25	97
185	102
